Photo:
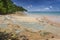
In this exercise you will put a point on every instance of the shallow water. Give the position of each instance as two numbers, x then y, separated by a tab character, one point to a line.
34	26
31	25
3	25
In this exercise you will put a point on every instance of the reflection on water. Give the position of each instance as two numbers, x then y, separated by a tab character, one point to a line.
35	26
3	25
31	25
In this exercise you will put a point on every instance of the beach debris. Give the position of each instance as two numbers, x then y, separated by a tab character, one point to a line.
8	36
23	37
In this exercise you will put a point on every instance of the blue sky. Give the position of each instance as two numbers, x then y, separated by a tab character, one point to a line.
39	5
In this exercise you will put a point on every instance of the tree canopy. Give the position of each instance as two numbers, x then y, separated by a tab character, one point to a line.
7	6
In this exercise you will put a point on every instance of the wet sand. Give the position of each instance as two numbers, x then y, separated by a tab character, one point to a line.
50	24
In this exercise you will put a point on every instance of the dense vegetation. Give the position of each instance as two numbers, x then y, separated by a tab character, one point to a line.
7	7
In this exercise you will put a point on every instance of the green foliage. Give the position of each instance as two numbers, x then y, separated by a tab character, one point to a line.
7	6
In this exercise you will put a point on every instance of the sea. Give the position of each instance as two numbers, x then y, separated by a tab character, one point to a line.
43	13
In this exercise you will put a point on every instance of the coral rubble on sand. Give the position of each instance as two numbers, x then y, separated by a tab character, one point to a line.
9	26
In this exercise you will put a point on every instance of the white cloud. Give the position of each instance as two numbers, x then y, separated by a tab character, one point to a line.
51	7
43	9
29	6
46	8
14	3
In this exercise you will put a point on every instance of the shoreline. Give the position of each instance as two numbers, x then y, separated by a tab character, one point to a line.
32	24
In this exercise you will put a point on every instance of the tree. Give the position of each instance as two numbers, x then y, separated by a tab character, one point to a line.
7	7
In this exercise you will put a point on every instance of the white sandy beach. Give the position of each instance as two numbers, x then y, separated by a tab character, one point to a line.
25	18
32	23
53	19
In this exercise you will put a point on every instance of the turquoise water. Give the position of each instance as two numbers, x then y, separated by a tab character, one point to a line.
36	26
44	13
3	25
33	25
